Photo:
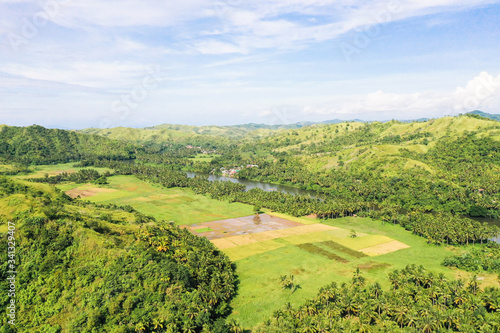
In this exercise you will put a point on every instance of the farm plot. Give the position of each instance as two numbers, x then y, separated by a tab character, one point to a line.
317	258
180	205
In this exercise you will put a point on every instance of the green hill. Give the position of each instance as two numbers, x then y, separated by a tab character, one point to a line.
205	136
88	268
39	145
394	163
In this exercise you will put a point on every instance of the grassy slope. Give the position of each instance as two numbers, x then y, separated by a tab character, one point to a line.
371	153
259	291
177	133
91	243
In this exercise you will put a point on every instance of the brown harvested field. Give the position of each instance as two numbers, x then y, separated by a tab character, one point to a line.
241	240
243	226
197	227
88	192
384	248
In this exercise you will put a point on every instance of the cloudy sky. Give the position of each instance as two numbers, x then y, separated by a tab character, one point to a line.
90	63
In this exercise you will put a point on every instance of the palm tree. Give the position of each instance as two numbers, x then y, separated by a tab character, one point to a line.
448	318
349	305
379	305
140	327
235	327
411	319
427	324
400	315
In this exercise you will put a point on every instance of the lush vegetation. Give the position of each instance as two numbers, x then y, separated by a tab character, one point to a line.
260	272
485	258
109	266
438	228
81	176
418	301
38	145
83	268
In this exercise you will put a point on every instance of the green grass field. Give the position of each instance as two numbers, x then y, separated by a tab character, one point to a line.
315	266
180	205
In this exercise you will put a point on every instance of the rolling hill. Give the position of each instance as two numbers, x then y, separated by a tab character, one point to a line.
486	115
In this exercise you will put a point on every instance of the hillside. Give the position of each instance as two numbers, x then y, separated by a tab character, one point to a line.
326	147
98	266
205	136
393	163
449	164
82	267
211	136
39	145
196	135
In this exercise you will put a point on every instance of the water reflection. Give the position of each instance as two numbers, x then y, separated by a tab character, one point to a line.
492	222
250	184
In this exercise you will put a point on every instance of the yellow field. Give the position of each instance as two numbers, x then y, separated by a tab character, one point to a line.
244	246
234	241
384	248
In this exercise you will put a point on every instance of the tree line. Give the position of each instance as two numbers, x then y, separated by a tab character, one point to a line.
417	301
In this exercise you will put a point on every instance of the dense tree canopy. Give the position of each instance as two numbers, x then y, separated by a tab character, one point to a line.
39	145
84	270
418	301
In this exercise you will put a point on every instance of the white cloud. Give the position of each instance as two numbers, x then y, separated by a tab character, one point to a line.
286	24
127	13
218	47
87	74
232	52
482	92
248	25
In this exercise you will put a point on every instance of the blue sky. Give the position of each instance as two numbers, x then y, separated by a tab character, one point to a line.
89	63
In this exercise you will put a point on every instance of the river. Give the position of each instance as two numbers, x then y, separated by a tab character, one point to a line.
492	222
250	184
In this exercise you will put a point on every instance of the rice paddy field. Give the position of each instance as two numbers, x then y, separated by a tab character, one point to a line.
316	254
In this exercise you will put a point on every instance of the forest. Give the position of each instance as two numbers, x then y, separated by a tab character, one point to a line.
89	267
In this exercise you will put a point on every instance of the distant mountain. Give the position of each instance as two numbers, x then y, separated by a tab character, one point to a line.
486	115
254	126
338	121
